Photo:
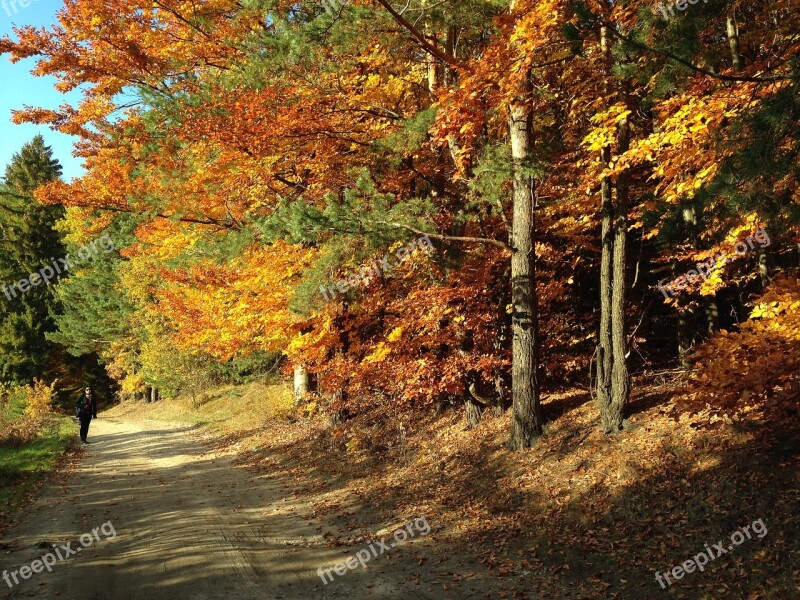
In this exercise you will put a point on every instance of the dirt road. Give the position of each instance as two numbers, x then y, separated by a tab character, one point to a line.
186	524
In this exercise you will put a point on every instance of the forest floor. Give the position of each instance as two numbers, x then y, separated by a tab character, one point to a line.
237	493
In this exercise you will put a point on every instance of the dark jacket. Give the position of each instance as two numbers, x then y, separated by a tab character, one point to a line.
85	407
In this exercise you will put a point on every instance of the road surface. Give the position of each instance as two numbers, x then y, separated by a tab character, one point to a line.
172	520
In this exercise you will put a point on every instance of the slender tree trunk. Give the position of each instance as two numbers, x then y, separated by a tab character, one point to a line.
763	267
690	222
502	381
613	380
684	338
712	316
710	308
620	379
733	39
605	352
527	419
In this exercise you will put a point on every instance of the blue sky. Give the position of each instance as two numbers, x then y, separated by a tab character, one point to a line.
18	88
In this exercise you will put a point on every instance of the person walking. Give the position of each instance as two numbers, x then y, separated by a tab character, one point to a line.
86	410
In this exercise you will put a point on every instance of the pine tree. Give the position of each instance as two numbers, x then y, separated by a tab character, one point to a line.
93	310
28	240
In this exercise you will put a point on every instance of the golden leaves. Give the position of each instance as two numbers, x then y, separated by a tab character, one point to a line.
760	356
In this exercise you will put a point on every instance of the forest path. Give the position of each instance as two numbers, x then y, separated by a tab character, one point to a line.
188	525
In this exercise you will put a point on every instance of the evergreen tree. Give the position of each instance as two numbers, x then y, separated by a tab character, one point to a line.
28	241
93	309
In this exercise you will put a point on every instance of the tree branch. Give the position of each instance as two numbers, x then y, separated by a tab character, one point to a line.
430	48
449	238
198	221
612	29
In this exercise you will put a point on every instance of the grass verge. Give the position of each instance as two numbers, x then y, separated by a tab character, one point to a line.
22	468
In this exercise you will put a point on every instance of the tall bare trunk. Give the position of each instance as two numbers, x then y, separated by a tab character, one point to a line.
605	352
620	390
527	419
613	380
527	415
685	336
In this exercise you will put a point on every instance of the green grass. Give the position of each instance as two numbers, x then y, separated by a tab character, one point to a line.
14	408
22	468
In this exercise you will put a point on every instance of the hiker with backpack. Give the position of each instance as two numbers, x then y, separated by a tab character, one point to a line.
86	410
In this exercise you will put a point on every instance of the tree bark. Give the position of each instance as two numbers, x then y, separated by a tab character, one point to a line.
605	352
620	379
527	418
474	413
474	405
502	380
733	39
684	338
763	267
712	316
613	380
300	383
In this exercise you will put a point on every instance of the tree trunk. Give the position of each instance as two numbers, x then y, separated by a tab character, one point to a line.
300	383
733	39
690	222
763	267
613	380
605	352
684	338
502	381
620	379
712	316
474	413
527	419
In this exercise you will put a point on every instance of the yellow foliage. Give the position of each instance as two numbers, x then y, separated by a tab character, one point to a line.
379	354
39	399
761	359
395	335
